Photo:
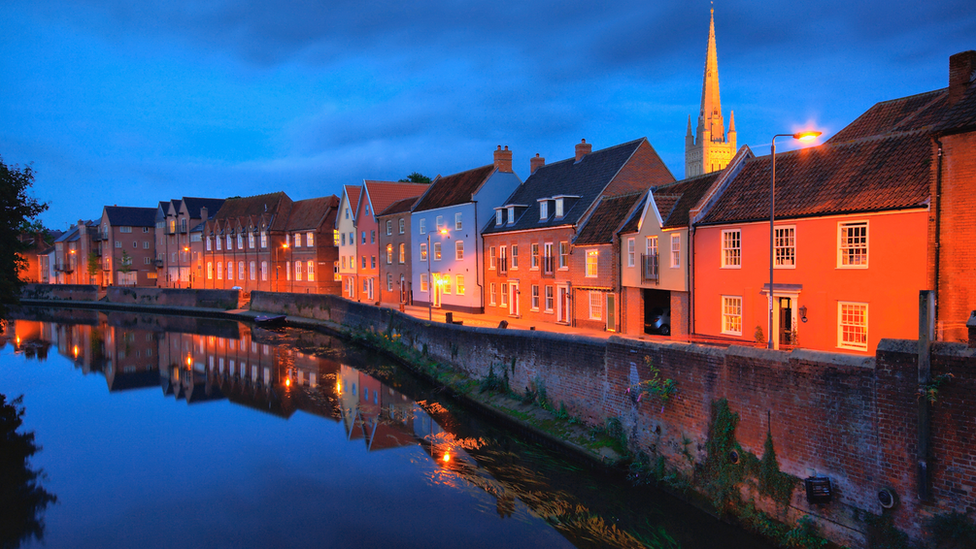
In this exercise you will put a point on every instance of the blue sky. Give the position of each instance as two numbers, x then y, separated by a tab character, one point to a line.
130	103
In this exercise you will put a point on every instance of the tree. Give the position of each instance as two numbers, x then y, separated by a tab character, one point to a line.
415	177
18	211
92	266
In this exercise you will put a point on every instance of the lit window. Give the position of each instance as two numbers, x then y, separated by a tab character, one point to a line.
785	246
264	271
459	284
853	246
402	253
534	259
596	305
298	270
210	270
731	248
310	271
310	239
287	270
852	326
732	315
389	254
592	258
445	283
220	271
423	252
437	251
423	282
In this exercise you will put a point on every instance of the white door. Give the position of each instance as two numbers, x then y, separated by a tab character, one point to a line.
513	298
562	304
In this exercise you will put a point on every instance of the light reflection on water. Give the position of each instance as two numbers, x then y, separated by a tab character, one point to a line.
285	439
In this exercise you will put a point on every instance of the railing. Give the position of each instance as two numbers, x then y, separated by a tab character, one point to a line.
503	265
549	266
158	263
649	267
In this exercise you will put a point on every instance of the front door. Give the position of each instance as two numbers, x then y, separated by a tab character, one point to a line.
785	320
562	304
435	287
513	298
611	312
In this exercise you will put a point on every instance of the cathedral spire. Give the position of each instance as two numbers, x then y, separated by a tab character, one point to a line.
710	116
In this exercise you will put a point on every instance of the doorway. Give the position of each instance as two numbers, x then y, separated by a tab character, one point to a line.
785	320
611	312
562	304
513	298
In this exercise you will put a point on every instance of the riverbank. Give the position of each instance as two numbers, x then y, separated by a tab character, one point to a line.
844	422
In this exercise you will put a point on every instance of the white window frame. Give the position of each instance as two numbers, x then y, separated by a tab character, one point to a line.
422	223
389	227
543	210
732	315
458	250
423	251
457	221
534	303
592	260
784	246
534	263
595	308
459	285
310	270
437	251
563	255
498	216
491	258
389	254
401	227
550	298
439	222
492	293
424	285
847	331
514	264
631	251
844	245
732	249
675	251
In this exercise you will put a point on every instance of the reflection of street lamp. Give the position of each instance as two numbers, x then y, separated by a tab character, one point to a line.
802	136
430	280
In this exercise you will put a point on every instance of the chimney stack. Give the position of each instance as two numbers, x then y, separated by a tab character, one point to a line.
503	159
535	163
582	149
204	214
962	68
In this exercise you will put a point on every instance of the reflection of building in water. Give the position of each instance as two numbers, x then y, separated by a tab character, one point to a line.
382	417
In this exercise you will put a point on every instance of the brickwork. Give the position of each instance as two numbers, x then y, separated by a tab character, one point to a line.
394	270
957	236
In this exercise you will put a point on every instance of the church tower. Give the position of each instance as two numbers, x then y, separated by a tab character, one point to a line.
708	149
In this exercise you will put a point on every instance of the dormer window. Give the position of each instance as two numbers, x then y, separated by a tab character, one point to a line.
511	215
498	216
559	207
543	210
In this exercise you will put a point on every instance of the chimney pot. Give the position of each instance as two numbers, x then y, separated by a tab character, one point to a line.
962	68
582	149
503	159
535	163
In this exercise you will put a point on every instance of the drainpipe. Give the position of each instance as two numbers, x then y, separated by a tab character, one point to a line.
938	224
691	279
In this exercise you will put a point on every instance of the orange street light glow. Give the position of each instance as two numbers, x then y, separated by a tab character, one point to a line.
443	231
447	457
807	136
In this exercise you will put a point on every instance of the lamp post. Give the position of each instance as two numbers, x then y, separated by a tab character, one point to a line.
278	267
430	280
802	136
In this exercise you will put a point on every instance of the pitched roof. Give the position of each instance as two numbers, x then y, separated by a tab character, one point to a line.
124	216
608	215
586	179
961	116
353	192
873	174
906	114
193	205
383	193
675	200
310	214
454	189
256	207
400	206
632	223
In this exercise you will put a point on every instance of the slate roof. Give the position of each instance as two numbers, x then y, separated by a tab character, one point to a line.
256	206
906	114
310	214
606	218
383	193
401	206
123	216
586	179
454	189
881	173
193	206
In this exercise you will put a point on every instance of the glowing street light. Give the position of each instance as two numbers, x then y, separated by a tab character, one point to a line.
800	136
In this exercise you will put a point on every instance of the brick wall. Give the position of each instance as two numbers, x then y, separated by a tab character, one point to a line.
58	292
220	299
957	235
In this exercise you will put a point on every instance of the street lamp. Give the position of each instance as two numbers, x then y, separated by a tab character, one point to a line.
801	136
278	267
430	281
189	264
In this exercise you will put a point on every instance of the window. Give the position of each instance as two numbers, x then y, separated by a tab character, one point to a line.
310	239
240	241
785	246
347	213
135	244
372	262
592	257
264	239
343	240
230	270
230	243
240	270
502	259
631	251
264	271
504	302
310	271
298	240
364	261
423	226
491	257
543	209
853	248
549	299
440	222
287	270
250	240
498	216
372	237
445	283
511	215
298	270
389	280
145	244
343	258
732	248
515	256
125	229
423	252
218	241
534	259
852	325
401	225
732	315
364	237
459	285
492	294
118	243
458	250
535	297
402	253
564	255
675	251
423	282
335	238
437	251
209	243
352	238
367	209
389	227
389	254
457	221
253	270
210	270
559	207
220	271
596	305
547	259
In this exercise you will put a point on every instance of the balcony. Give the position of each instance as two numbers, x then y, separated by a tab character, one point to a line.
649	268
549	266
158	263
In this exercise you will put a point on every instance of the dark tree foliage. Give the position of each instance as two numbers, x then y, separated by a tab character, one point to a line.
17	212
415	177
22	498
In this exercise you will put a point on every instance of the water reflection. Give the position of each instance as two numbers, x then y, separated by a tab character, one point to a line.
377	407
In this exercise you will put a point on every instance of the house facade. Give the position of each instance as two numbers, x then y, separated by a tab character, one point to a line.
312	254
346	227
396	286
533	266
127	241
76	255
446	228
179	248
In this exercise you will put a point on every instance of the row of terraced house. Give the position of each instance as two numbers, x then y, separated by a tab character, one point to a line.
607	239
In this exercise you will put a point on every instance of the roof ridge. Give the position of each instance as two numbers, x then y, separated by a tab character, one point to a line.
573	158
